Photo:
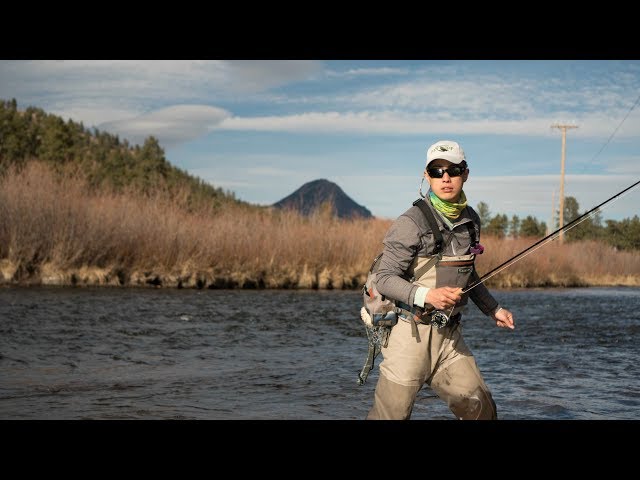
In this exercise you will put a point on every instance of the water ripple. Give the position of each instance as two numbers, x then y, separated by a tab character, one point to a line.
92	353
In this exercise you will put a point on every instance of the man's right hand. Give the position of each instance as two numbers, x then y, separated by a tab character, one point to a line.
443	298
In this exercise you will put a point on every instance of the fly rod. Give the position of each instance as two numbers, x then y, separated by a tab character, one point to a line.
540	243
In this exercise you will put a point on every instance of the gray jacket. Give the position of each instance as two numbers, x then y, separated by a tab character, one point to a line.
410	236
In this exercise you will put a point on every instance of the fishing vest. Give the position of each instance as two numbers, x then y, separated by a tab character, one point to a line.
450	270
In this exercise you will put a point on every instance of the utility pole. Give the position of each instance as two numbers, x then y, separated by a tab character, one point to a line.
553	213
564	143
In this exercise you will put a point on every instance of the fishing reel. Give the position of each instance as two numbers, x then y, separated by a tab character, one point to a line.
439	319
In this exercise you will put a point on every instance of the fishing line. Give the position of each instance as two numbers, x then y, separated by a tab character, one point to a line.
552	236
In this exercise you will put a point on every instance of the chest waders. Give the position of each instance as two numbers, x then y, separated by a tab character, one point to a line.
379	325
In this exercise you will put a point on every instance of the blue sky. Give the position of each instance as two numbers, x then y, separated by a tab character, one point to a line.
263	128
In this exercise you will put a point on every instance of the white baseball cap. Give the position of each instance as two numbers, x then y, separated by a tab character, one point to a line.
446	150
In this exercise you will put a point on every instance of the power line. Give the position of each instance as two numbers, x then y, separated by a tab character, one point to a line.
613	134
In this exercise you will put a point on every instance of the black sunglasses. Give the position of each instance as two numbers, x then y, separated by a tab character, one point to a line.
438	172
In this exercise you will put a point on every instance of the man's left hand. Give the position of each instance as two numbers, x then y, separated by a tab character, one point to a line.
504	319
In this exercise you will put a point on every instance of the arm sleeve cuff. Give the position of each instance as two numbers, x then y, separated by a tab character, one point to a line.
421	294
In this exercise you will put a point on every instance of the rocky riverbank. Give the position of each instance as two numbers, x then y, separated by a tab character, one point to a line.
10	274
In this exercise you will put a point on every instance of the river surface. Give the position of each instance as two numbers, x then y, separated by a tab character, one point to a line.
117	353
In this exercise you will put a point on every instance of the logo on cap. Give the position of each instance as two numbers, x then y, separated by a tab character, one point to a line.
443	148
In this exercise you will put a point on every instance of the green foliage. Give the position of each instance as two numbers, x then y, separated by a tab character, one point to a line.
498	226
570	210
624	235
15	134
514	227
587	229
530	227
484	213
108	162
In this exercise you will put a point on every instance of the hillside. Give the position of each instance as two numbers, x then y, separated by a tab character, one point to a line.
103	158
313	195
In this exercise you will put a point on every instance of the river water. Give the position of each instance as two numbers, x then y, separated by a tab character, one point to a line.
115	353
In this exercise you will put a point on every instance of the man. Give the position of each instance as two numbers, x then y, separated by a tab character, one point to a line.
419	352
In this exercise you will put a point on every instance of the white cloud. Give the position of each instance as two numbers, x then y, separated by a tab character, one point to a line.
96	91
261	75
367	72
180	77
438	99
538	195
484	96
626	166
399	123
91	114
170	125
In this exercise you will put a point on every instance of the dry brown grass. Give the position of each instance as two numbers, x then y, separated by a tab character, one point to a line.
56	230
584	263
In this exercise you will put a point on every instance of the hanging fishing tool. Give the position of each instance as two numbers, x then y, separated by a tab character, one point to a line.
378	336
